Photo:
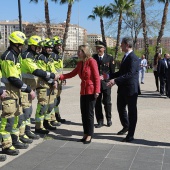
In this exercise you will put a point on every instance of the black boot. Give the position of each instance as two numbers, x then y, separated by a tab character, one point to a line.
55	123
48	126
17	143
31	135
25	139
58	118
42	131
2	158
10	151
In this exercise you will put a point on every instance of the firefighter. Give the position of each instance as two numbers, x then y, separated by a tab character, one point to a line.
58	62
33	76
3	94
47	51
12	116
45	96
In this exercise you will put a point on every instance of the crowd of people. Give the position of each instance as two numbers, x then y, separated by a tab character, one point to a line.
23	76
37	71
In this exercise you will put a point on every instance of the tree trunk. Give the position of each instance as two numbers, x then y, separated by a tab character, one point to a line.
103	32
67	25
161	32
47	19
118	35
143	15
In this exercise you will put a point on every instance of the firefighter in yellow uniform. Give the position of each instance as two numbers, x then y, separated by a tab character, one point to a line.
3	94
33	76
50	115
45	97
12	116
58	62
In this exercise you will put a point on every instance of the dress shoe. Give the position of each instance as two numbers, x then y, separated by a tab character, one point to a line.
128	139
123	131
82	140
2	158
142	82
109	123
87	141
55	123
48	126
99	125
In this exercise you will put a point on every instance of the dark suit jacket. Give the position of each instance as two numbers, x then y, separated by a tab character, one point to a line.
106	66
162	69
127	78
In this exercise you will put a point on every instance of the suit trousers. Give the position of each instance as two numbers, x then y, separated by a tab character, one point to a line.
128	119
87	104
105	98
163	85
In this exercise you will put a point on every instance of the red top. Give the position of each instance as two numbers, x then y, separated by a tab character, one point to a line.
89	75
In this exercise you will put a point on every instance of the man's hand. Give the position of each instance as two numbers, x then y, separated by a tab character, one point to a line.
4	94
57	76
101	77
32	94
96	95
111	83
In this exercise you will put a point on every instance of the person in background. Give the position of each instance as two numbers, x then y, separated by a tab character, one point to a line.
168	76
143	66
162	72
157	57
127	80
90	88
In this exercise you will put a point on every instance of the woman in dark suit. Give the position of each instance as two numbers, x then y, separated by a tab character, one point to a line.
157	57
87	70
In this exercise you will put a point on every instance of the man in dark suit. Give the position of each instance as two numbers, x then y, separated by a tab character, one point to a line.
106	67
162	73
127	80
168	76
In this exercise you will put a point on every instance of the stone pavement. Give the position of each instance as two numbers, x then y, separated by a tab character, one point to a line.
60	150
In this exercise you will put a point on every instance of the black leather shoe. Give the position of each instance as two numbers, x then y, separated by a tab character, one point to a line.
42	131
99	125
82	140
123	131
55	123
109	123
31	135
128	139
2	158
25	139
87	141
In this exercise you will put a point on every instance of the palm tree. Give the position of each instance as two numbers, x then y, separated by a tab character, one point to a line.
120	7
70	3
47	17
101	12
164	19
143	15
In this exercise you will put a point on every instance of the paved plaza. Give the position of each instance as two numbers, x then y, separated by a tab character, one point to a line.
60	149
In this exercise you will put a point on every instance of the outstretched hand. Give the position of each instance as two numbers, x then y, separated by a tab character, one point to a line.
111	83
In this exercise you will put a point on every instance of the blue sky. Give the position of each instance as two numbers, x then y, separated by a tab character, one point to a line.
32	12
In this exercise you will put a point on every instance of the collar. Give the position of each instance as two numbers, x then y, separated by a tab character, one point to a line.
128	52
101	56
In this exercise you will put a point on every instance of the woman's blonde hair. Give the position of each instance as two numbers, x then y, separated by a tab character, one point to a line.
86	50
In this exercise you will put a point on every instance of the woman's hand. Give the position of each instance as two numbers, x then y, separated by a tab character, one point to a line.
96	95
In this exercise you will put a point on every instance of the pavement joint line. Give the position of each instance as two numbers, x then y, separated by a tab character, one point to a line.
50	154
76	157
105	157
163	159
134	158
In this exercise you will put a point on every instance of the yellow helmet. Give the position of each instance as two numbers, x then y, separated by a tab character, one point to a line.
49	43
57	40
35	40
17	37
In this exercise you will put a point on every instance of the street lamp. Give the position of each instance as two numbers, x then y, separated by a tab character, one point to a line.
20	17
